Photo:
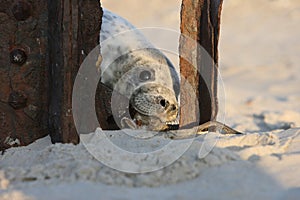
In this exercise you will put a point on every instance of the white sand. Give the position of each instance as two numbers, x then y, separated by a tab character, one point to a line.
259	64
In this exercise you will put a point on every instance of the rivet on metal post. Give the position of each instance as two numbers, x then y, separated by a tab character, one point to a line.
21	10
18	56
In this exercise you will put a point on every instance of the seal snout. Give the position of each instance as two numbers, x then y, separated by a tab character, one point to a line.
154	104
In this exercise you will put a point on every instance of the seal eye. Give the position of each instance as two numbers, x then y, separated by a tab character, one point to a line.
145	75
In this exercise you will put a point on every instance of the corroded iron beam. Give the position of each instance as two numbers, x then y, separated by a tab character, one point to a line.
200	27
74	28
23	72
42	44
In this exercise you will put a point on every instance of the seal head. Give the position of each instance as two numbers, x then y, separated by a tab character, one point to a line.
155	106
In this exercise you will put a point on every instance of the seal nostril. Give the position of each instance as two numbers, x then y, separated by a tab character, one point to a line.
173	107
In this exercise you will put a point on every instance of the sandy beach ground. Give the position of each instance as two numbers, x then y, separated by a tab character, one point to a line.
259	95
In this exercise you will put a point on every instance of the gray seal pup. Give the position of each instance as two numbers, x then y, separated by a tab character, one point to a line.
133	67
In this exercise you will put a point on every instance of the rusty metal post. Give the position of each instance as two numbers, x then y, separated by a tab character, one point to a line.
200	22
23	72
42	44
74	28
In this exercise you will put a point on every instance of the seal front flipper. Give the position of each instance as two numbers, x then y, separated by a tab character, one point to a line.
128	123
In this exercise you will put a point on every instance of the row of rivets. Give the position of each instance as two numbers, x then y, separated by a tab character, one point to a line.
21	10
